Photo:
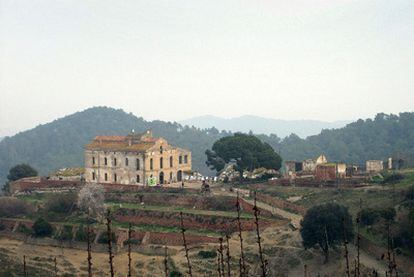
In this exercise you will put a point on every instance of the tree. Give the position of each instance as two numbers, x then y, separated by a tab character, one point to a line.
91	200
246	151
21	171
324	225
17	172
42	228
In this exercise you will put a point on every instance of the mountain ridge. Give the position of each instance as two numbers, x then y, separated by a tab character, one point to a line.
60	143
262	125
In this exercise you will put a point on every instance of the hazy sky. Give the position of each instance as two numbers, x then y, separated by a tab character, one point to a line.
170	60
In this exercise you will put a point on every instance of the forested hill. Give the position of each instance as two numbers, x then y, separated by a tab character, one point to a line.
60	143
379	138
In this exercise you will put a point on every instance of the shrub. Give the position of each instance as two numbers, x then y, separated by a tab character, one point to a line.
175	273
66	233
392	178
42	228
103	238
13	207
409	195
61	203
24	229
207	254
82	235
370	216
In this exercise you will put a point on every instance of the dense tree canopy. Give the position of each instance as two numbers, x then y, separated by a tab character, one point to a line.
42	228
247	151
21	171
324	226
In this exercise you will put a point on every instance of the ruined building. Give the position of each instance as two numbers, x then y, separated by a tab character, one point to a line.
135	159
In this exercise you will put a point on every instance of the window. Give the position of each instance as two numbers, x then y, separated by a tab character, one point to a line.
171	176
106	161
171	161
180	159
138	179
106	176
161	149
93	160
115	177
126	161
114	161
137	164
93	175
185	159
151	164
161	162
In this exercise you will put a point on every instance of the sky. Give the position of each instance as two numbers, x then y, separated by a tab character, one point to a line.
171	60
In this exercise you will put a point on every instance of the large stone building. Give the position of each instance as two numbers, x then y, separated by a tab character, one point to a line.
135	159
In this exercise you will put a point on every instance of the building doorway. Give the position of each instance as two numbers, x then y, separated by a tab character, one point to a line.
161	178
179	176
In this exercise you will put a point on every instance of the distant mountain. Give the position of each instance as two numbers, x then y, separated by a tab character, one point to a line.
60	143
261	125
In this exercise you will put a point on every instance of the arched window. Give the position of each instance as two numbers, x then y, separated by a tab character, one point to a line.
161	149
171	176
161	162
115	177
93	160
114	161
137	164
106	161
180	159
151	164
171	161
138	179
106	176
93	175
126	161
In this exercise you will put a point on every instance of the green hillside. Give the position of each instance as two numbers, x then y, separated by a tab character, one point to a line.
60	143
379	138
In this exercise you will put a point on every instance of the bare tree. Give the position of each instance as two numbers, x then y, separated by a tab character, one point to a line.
185	244
242	264
129	249
55	267
348	272
221	256
109	233
24	266
166	261
91	199
228	256
259	243
89	245
218	263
